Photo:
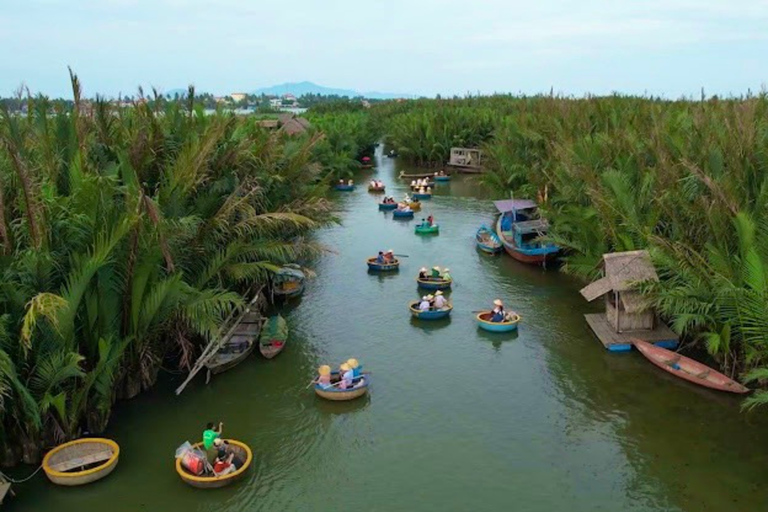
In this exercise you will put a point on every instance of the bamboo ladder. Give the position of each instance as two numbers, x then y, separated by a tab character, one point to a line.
228	327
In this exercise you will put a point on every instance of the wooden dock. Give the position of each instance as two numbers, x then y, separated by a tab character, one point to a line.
661	336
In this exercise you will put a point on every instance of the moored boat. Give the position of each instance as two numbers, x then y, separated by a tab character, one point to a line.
337	394
434	283
237	344
402	214
273	337
484	322
242	452
442	177
344	188
288	281
688	369
521	234
420	197
416	176
487	241
81	461
383	267
387	206
431	314
422	229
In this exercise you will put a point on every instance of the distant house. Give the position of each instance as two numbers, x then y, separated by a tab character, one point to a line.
287	123
238	96
275	102
289	97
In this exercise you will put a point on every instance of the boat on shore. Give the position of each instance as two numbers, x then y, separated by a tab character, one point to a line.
337	394
484	322
383	267
237	344
273	337
242	452
422	229
81	461
431	314
288	281
434	283
688	369
521	233
487	241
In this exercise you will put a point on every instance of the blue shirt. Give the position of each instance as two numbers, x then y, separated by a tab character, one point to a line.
380	258
497	317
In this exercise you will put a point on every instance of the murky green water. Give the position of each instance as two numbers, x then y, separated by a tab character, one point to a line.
458	419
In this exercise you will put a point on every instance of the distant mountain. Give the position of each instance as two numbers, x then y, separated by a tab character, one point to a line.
301	88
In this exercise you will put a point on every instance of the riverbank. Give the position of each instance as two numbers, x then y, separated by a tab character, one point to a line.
457	418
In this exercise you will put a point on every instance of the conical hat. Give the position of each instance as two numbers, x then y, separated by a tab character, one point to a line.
324	370
498	302
345	367
438	292
353	363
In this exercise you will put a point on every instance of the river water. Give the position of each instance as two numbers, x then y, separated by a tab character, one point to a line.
457	419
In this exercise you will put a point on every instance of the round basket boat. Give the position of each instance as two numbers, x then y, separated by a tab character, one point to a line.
418	187
427	230
387	206
241	451
377	189
434	283
400	214
341	395
442	178
344	188
421	196
415	206
484	322
81	462
432	314
383	267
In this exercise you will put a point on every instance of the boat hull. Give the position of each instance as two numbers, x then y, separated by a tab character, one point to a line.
387	206
431	314
214	482
344	188
521	255
71	479
688	369
273	337
343	395
402	215
286	294
376	190
382	267
442	178
421	197
483	322
483	244
428	230
434	284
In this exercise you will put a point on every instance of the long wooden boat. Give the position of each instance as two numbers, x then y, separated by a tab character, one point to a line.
427	230
416	176
344	188
434	283
487	241
273	337
432	314
688	369
484	322
241	450
238	344
400	214
81	461
520	236
289	281
387	206
420	197
383	267
377	190
339	395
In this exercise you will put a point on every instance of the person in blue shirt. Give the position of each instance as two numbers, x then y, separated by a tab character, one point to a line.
498	311
357	368
380	257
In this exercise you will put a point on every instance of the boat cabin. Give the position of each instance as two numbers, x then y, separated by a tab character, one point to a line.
521	225
627	313
465	157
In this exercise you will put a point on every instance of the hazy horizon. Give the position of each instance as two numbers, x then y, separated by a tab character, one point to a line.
668	48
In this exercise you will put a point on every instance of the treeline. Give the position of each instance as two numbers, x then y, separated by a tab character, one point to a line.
687	180
126	235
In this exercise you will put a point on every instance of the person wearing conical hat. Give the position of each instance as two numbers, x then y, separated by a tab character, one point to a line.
389	256
423	273
431	299
357	368
440	302
347	376
498	311
447	274
436	272
324	375
424	304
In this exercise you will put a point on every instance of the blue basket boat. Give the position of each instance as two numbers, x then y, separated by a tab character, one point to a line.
382	267
434	283
387	206
484	322
401	214
344	188
432	314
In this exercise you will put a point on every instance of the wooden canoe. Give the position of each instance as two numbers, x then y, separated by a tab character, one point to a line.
484	322
81	462
688	369
273	337
431	314
418	175
241	451
337	394
238	345
382	267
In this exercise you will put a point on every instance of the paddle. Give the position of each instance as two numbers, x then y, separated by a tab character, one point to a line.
402	255
314	381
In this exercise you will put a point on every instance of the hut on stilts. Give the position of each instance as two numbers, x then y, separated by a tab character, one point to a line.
627	314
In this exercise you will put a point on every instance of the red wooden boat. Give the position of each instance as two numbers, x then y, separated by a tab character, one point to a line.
688	369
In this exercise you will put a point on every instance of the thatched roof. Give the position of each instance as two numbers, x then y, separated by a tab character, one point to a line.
622	270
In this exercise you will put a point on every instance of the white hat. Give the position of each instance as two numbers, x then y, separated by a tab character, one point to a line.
446	269
430	297
423	269
435	268
390	250
438	292
424	298
498	302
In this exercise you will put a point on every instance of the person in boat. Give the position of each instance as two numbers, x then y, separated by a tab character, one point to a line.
357	368
324	376
413	183
407	199
440	302
224	464
347	376
442	172
431	300
423	223
210	434
225	453
380	257
498	314
446	274
389	256
372	184
430	220
421	190
350	183
423	273
424	304
435	273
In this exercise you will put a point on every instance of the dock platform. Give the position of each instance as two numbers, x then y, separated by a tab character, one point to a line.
662	336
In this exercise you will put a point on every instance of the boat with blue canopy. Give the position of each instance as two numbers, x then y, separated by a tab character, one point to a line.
522	233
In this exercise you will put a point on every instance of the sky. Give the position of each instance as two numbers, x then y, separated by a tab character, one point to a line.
669	48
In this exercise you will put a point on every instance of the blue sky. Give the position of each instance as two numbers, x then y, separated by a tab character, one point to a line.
664	47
